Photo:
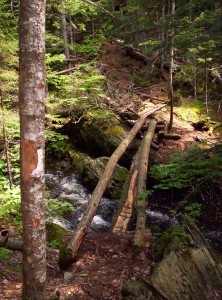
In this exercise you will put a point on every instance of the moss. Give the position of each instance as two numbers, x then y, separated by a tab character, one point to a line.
55	235
90	171
119	178
114	131
79	160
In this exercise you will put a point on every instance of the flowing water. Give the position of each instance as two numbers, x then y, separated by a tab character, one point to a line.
66	187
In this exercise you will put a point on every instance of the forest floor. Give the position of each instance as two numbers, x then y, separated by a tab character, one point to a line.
105	261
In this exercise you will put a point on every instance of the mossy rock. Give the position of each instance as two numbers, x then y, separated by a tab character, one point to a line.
91	170
94	139
98	141
55	235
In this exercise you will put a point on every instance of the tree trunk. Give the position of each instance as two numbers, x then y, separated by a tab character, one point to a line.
162	36
206	86
32	115
141	185
67	255
65	39
172	11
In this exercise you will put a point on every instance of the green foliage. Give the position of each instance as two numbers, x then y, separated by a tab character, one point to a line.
58	82
192	210
197	170
190	169
10	202
91	46
8	48
191	110
57	143
174	231
56	208
55	235
144	194
80	96
5	254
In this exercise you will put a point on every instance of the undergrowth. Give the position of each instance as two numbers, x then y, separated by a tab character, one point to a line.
198	171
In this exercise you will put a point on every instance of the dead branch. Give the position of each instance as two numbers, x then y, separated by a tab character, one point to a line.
135	53
66	71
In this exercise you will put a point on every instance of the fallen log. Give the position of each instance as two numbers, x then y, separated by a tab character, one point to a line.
154	146
157	129
135	53
11	243
141	186
124	214
168	136
68	253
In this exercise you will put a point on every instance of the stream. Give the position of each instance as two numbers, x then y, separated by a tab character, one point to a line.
66	187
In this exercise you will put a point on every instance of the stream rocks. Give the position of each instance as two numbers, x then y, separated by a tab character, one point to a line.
91	170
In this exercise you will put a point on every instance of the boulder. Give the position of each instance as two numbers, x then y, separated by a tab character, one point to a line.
91	170
98	141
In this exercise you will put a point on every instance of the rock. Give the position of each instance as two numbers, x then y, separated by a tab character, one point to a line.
68	276
97	140
91	170
55	234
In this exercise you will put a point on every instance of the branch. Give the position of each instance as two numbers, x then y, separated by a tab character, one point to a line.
100	7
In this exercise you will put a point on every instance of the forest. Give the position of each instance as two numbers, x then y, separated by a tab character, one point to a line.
110	149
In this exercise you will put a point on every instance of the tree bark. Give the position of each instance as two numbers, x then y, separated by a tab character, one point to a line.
172	11
32	115
65	39
67	256
141	185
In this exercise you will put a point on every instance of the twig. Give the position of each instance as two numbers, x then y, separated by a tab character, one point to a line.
6	143
100	7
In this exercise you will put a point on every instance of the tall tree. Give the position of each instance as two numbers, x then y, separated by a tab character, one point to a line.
32	111
172	11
